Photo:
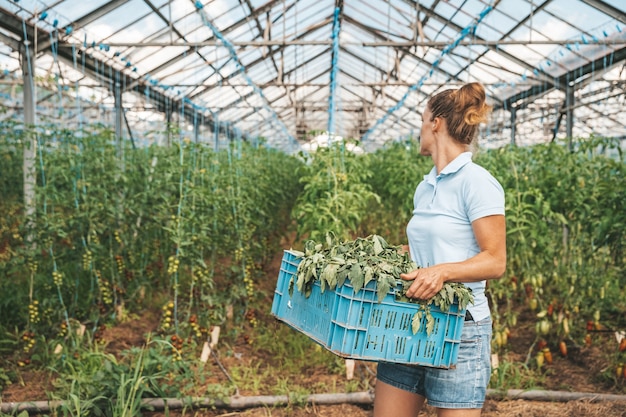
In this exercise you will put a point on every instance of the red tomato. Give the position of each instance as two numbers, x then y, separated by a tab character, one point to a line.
541	344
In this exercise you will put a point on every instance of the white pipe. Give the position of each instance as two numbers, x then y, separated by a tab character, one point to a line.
236	402
361	398
556	396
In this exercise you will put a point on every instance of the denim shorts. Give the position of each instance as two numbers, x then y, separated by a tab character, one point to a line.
462	387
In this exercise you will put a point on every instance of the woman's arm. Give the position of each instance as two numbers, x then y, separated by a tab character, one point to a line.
489	263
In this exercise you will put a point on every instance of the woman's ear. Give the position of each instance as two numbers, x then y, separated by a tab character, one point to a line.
436	123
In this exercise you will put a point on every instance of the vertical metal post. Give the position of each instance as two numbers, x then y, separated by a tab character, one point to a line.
119	123
569	103
216	127
119	117
30	133
168	126
513	124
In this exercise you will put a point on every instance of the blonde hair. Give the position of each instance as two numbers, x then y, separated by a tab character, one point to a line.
463	110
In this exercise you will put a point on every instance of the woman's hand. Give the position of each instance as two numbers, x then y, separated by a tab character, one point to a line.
489	263
427	282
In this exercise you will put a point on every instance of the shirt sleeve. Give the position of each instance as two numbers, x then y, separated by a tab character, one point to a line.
484	196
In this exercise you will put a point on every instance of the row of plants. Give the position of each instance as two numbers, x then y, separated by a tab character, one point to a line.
565	232
565	242
117	230
185	230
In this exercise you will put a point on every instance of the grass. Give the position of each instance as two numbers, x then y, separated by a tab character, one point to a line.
515	375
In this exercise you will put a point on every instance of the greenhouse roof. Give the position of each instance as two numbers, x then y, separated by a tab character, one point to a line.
286	70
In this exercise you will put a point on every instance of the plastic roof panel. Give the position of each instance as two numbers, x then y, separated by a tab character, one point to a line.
118	23
68	11
268	64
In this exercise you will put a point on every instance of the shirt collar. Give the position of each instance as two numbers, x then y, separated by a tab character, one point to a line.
457	163
454	166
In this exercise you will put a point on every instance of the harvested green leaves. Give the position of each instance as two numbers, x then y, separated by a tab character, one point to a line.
365	259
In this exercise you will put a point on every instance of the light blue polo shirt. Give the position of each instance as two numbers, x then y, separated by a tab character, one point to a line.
445	206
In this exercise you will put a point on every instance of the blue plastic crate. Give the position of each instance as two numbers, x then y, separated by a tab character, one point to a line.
356	326
362	328
309	315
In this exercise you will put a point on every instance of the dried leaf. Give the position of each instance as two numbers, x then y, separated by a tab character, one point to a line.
342	274
364	260
329	275
383	289
368	274
356	277
430	323
416	321
378	247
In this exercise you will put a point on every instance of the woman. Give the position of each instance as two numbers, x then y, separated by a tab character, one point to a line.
457	234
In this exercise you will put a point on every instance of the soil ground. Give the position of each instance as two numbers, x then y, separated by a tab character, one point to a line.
576	373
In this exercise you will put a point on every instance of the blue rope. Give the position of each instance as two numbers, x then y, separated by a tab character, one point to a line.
242	70
469	30
333	75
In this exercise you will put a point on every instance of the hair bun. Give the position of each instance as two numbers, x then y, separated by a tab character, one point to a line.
470	100
463	110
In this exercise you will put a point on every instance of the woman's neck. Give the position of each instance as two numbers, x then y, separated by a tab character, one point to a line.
447	153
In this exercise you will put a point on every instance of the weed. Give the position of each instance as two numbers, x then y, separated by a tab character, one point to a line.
249	377
220	392
515	375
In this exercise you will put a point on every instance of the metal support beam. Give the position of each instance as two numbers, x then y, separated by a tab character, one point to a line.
96	68
260	60
96	14
12	43
191	47
85	20
168	125
530	94
542	76
569	102
376	44
513	124
119	117
28	69
30	134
